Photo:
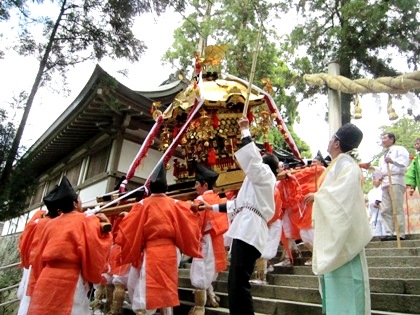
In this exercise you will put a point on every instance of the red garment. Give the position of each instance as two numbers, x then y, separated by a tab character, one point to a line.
26	238
156	226
219	225
291	194
308	180
71	245
115	259
278	202
34	254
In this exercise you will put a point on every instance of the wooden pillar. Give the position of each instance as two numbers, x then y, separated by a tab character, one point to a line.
334	101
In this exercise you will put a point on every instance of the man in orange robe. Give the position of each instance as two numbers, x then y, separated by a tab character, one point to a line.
291	193
72	252
149	236
213	225
25	248
308	179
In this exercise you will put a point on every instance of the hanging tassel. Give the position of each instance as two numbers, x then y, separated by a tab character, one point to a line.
211	157
250	116
268	148
357	108
215	120
175	131
391	111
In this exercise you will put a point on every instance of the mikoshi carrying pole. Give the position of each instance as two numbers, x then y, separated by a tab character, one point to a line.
166	155
273	109
251	76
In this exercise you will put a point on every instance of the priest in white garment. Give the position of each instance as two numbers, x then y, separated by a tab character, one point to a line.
342	230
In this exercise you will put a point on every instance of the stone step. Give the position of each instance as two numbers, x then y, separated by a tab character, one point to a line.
393	261
374	272
394	283
395	272
262	305
280	302
391	252
393	244
377	285
378	261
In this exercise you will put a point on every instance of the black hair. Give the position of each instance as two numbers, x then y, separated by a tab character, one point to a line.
158	187
272	161
66	204
391	136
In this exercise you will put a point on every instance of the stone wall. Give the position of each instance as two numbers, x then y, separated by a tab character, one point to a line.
9	255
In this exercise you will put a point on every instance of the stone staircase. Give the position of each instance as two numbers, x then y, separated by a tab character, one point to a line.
394	284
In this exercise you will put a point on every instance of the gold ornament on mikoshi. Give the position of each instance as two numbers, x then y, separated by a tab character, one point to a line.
165	138
357	108
391	111
263	121
268	87
155	112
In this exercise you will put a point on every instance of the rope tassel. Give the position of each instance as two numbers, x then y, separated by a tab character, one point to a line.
391	111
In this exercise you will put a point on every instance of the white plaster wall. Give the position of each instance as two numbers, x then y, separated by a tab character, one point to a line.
21	222
128	153
88	194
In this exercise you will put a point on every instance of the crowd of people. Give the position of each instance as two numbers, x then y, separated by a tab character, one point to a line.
68	254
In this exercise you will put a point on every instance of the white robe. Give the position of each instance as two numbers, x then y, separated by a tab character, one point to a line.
254	206
339	216
342	231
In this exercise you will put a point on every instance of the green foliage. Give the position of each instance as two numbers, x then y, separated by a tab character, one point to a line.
82	30
406	130
362	36
7	133
236	24
14	197
8	5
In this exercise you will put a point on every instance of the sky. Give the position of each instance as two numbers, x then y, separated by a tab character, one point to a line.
148	73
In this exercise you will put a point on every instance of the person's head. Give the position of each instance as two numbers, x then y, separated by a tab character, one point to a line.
319	160
388	139
417	144
62	198
272	161
376	182
205	179
347	138
158	183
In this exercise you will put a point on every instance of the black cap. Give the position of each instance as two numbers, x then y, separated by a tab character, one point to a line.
204	174
320	158
158	183
350	136
61	196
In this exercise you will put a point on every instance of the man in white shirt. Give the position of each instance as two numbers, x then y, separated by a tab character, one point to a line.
250	212
394	162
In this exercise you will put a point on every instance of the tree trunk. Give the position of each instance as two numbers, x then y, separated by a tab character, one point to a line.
7	171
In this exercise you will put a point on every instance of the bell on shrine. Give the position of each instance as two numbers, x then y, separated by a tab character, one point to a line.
357	108
391	111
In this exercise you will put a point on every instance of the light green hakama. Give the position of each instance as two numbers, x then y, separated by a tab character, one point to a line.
344	290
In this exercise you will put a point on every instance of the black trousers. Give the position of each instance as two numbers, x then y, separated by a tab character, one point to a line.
242	263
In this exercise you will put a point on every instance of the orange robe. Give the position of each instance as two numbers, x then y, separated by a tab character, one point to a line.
219	225
36	264
291	194
308	180
278	202
25	240
157	225
71	245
